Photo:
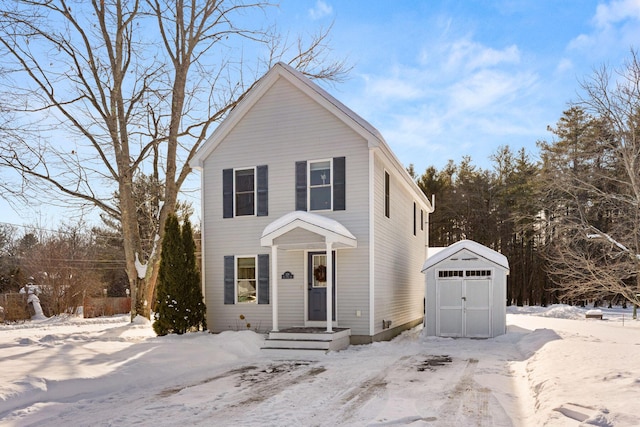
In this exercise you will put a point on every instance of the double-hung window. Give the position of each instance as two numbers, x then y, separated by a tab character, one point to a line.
246	279
246	290
320	185
245	191
320	189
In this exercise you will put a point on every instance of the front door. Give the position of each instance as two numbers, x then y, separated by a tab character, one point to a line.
317	285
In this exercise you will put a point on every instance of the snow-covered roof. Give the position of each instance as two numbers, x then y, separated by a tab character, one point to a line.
329	228
440	254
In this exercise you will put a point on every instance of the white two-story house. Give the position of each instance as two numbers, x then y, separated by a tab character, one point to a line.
308	219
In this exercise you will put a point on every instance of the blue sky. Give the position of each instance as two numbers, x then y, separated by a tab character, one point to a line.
443	79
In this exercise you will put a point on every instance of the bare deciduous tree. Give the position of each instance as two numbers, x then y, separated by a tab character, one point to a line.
592	179
115	88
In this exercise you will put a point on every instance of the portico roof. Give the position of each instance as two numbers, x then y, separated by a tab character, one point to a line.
308	230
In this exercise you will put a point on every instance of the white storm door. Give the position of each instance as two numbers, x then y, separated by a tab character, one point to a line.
450	308
477	310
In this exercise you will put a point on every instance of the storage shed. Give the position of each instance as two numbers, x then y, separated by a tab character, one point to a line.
465	291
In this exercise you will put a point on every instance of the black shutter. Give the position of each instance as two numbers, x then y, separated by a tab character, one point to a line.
229	280
227	193
263	279
339	184
301	186
263	190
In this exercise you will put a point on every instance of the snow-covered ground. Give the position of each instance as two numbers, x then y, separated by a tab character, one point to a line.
553	367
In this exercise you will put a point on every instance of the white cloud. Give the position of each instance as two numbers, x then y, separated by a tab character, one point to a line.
616	11
321	10
564	65
484	89
614	24
394	88
470	55
457	97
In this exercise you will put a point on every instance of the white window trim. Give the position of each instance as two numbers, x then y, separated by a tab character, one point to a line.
331	171
255	191
235	275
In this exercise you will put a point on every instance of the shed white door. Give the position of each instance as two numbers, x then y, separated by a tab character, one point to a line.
464	307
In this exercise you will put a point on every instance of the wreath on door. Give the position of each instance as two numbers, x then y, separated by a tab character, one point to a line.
320	273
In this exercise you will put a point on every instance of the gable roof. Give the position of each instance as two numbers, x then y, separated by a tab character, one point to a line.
469	245
329	228
296	78
338	109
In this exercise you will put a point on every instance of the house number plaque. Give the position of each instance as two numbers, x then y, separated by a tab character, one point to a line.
287	275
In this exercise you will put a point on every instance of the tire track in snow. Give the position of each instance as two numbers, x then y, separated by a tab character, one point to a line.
234	396
469	404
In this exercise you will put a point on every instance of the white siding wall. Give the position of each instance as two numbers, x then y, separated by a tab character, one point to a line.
283	127
399	255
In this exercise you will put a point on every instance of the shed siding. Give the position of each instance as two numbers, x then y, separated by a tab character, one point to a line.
399	284
283	127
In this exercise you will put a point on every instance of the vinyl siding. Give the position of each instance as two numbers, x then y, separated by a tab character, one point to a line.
399	255
283	127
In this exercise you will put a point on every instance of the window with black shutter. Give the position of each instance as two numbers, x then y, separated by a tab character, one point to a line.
245	192
321	185
246	279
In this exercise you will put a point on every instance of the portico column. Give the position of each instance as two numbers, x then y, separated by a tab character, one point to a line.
274	287
329	286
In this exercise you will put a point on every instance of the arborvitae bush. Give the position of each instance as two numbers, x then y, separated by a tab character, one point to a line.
180	306
197	311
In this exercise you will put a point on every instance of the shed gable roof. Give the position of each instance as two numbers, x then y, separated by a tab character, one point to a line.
468	245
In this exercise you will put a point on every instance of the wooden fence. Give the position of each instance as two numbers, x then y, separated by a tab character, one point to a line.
14	307
96	307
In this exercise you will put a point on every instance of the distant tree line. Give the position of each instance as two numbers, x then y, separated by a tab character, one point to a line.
569	223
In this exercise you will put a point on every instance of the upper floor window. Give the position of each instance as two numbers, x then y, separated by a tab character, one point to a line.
415	219
387	193
245	192
244	188
320	185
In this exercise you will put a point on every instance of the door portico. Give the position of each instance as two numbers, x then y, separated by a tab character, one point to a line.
305	231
